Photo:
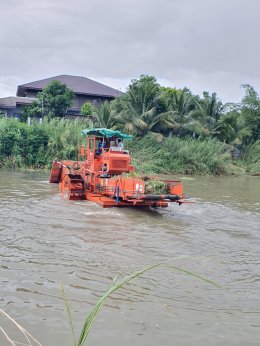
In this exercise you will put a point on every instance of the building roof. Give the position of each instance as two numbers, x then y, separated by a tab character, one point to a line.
12	101
80	85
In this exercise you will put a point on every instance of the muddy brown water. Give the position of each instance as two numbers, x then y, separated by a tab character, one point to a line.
47	241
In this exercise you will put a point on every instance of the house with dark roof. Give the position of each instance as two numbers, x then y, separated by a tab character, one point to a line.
12	106
85	90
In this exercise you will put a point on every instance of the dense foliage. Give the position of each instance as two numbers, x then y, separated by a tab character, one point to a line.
175	130
52	102
39	144
147	107
208	156
86	109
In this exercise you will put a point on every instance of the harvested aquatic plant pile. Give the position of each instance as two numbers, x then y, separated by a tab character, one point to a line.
155	187
129	175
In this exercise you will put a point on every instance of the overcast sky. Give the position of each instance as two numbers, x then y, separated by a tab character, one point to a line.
202	44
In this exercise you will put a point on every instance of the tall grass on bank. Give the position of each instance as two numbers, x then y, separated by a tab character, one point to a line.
175	155
37	145
252	158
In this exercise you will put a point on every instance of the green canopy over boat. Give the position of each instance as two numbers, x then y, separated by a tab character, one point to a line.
102	132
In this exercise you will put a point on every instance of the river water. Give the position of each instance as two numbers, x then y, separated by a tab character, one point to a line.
47	241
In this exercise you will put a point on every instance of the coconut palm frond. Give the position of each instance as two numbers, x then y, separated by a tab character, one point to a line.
105	115
157	136
140	124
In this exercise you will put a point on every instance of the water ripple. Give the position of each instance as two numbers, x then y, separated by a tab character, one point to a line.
47	241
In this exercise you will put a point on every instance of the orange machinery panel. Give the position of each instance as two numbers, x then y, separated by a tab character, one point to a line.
128	187
176	188
116	161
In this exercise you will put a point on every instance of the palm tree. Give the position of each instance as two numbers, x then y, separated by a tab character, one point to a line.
138	109
142	94
105	115
250	111
181	105
208	112
228	128
148	122
148	108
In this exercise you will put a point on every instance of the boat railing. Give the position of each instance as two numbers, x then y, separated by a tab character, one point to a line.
113	149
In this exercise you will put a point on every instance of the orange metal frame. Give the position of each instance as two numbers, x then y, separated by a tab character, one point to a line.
101	175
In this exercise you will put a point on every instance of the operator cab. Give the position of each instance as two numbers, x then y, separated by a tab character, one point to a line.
105	152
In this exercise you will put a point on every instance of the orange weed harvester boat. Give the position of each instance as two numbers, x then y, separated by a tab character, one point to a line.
103	174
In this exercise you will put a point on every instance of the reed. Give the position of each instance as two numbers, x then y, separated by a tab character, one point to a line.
116	285
185	156
86	328
36	146
251	158
29	339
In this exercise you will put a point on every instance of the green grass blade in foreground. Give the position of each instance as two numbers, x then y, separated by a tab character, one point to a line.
194	275
114	287
68	313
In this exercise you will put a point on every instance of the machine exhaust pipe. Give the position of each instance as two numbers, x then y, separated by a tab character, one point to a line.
160	197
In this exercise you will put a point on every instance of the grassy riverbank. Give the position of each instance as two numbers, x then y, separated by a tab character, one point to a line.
36	146
175	155
189	156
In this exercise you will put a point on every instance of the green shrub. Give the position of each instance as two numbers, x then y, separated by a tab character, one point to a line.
86	108
175	155
251	158
38	145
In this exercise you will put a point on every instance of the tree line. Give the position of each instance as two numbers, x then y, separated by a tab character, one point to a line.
175	130
149	108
